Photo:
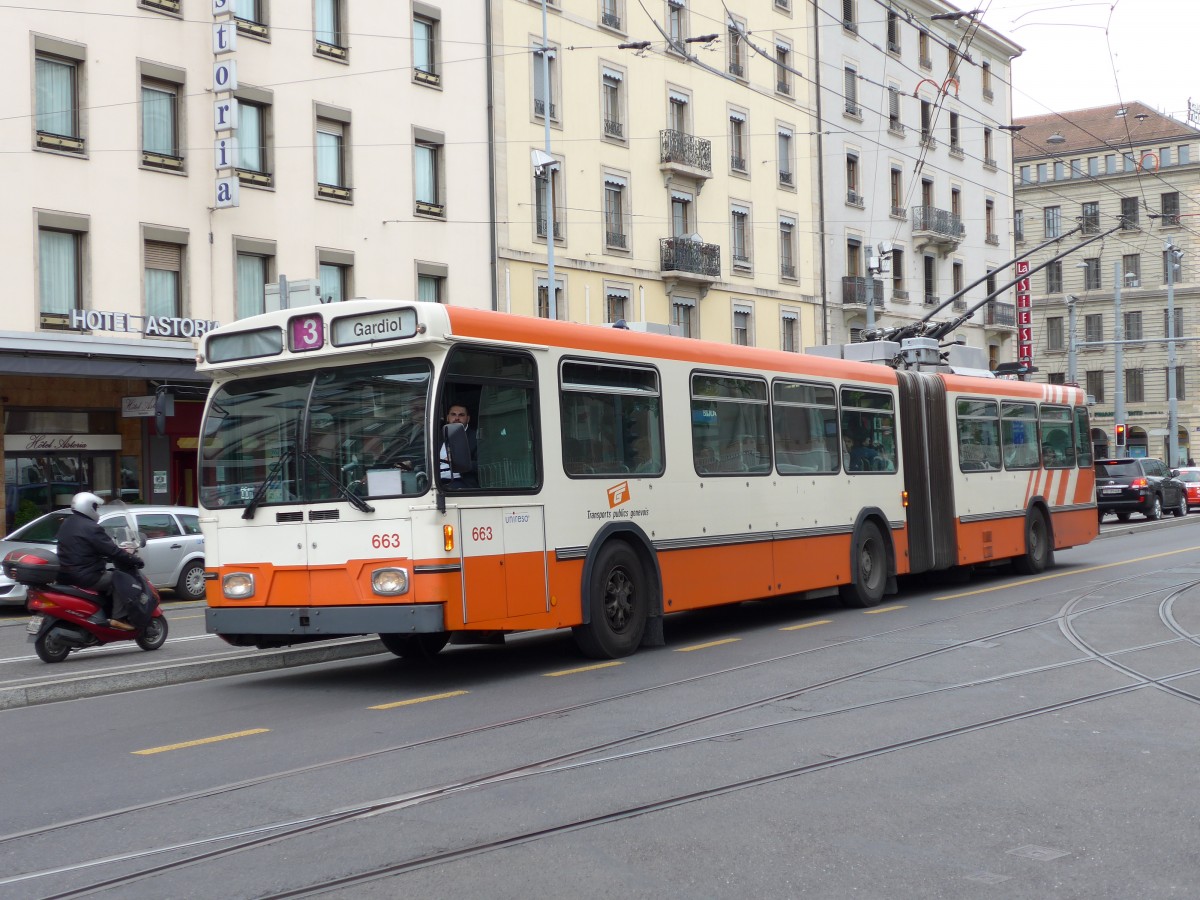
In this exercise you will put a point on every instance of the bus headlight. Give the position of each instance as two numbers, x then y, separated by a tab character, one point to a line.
238	585
389	581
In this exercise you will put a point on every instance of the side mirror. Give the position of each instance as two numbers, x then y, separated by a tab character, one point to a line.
454	436
142	539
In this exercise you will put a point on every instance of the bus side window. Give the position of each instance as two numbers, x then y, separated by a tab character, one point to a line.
978	435
610	419
730	422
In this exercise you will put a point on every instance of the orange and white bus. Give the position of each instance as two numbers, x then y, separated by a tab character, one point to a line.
604	477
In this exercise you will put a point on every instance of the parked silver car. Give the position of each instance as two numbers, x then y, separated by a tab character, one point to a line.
174	551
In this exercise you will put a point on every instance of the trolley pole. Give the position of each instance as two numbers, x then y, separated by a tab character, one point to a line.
1172	401
1118	357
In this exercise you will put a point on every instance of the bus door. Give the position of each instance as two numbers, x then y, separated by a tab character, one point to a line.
503	561
928	472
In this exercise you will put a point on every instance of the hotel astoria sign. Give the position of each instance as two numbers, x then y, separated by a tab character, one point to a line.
151	326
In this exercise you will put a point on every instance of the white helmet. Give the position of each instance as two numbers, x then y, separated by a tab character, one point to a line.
88	504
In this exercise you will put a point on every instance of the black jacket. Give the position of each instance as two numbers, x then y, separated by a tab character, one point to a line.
84	548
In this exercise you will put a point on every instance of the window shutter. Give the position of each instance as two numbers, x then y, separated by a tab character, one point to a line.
161	255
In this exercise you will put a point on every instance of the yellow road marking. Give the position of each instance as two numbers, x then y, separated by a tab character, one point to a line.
414	700
706	646
603	665
871	612
1097	568
807	625
208	740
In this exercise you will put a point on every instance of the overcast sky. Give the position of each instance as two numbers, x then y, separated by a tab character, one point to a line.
1154	44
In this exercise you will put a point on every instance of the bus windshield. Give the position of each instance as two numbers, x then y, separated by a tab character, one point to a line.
317	436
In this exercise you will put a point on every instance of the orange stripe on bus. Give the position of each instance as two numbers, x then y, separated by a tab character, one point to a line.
1062	488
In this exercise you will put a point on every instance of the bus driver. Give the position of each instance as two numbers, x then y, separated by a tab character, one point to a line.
457	480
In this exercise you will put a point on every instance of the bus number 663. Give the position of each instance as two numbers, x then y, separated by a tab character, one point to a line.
385	541
482	533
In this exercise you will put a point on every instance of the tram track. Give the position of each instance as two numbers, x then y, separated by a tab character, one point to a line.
285	830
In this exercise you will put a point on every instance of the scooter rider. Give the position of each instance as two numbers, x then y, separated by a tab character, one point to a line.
84	548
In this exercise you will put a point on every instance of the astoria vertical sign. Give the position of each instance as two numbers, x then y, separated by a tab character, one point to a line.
1024	315
224	44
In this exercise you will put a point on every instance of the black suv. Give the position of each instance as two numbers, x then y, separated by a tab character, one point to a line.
1141	485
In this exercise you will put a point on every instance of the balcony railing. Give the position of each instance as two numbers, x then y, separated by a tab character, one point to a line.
738	163
1003	314
854	198
895	126
541	228
613	129
539	109
989	162
787	270
940	223
900	212
856	290
992	238
610	20
616	239
893	46
928	141
785	178
783	87
736	70
677	147
681	254
853	109
957	151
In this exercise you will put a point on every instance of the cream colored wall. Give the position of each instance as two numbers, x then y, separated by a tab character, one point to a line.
109	187
581	259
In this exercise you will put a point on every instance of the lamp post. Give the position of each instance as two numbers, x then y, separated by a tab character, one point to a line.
1172	254
1118	357
548	169
1071	374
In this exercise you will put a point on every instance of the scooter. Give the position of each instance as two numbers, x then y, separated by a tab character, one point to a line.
66	617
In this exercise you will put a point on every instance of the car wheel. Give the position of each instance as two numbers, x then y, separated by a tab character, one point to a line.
191	581
1182	509
1155	511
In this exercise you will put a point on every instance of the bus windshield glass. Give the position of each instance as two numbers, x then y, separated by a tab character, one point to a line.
310	436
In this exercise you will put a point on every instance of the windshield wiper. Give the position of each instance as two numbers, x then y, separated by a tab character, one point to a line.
356	501
260	492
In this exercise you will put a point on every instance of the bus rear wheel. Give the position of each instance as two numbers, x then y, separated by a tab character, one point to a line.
618	602
871	572
1038	551
416	647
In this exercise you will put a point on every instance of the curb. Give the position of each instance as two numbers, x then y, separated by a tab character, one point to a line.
96	685
1124	528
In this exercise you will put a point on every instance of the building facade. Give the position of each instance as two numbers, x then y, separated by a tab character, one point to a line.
676	185
915	99
168	161
1133	175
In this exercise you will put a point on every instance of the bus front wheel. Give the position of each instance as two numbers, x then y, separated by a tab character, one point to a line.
618	603
416	647
871	572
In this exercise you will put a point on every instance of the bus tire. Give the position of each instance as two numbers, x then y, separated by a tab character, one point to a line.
416	647
618	602
1038	550
869	576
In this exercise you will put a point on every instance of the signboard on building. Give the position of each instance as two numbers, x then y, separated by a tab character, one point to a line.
151	326
1024	315
60	443
143	407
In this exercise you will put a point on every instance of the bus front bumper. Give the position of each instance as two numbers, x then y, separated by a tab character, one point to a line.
309	622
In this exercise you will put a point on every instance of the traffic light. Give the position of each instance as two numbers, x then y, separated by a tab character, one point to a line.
1120	434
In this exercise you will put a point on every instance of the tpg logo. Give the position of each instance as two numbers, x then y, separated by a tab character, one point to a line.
618	494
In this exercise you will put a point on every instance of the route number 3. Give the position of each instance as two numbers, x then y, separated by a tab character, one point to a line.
482	533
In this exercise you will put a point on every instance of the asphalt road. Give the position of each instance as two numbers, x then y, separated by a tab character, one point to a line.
1003	737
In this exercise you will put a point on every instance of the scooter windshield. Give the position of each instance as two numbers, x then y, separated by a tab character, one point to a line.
125	533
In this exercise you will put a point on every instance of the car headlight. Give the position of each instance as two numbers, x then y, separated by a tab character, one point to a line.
238	585
389	581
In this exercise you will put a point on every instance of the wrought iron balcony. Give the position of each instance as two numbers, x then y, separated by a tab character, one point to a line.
539	109
610	20
613	129
937	226
541	229
737	163
787	270
957	152
685	154
683	257
785	178
616	239
1000	314
783	87
736	70
900	212
854	198
992	238
856	290
895	126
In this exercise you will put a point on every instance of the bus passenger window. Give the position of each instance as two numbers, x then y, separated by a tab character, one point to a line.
806	433
869	430
978	435
1058	444
730	433
611	419
1019	433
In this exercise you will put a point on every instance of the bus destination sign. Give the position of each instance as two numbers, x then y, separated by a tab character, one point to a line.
390	325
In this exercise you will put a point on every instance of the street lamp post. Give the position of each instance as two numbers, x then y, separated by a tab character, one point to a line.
1071	349
1118	357
1172	402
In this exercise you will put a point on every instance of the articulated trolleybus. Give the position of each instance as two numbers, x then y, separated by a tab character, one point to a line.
424	472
